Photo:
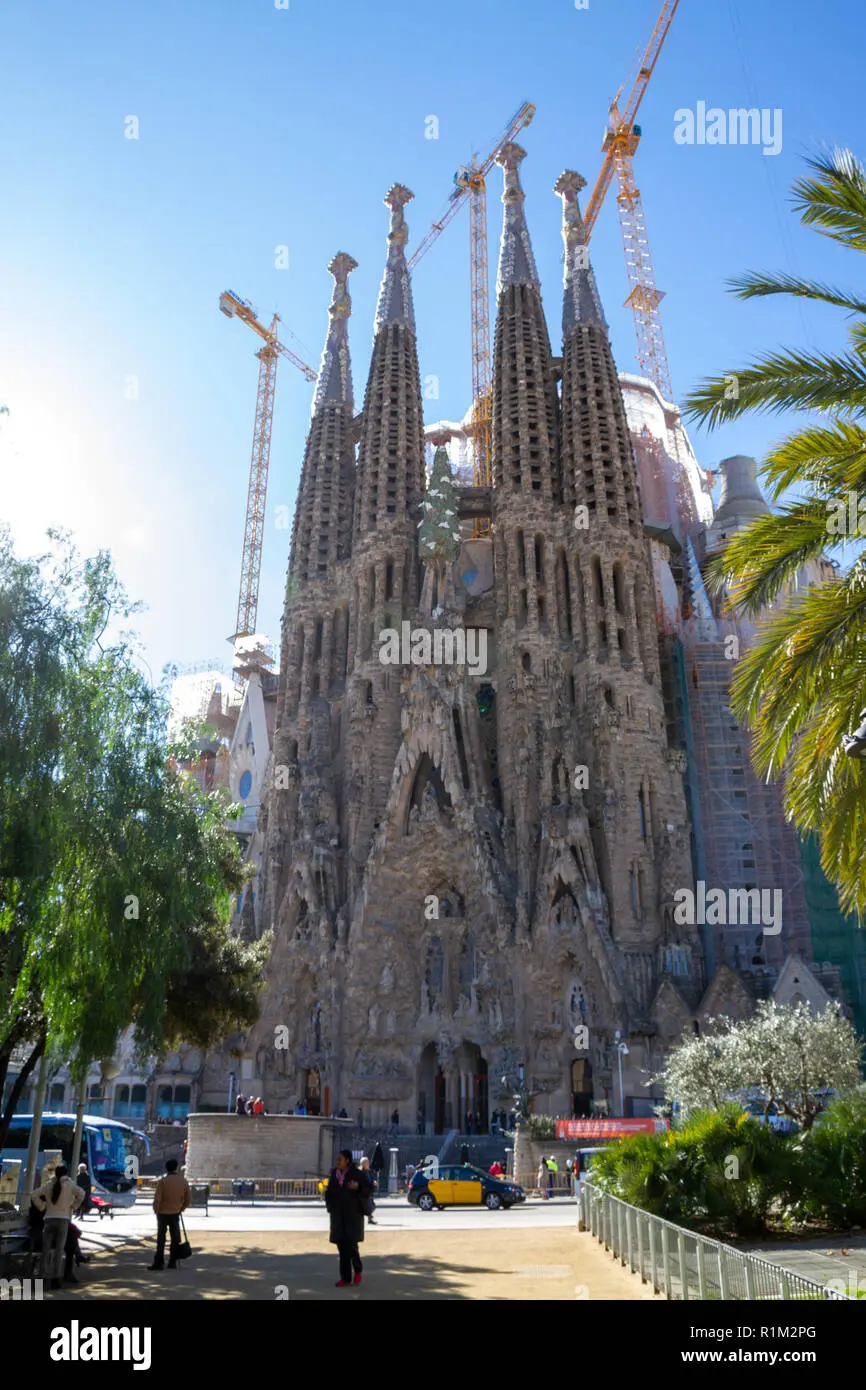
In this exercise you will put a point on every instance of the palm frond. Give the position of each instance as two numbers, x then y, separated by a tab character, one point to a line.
755	285
834	201
833	457
759	561
780	382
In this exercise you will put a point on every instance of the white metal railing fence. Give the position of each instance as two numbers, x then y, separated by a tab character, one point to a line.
683	1264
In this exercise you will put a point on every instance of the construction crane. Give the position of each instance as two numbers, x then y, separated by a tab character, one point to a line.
268	354
470	182
621	139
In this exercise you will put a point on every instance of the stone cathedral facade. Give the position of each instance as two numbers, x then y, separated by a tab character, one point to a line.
470	873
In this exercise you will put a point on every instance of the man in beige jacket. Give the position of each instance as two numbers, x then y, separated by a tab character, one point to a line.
172	1196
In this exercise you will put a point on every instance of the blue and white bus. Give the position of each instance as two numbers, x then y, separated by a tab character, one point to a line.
106	1148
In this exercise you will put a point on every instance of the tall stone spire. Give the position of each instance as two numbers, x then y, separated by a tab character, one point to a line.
395	292
335	373
525	460
597	459
516	261
581	303
390	476
323	513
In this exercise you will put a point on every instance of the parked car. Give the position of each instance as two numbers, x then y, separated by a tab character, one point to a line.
462	1185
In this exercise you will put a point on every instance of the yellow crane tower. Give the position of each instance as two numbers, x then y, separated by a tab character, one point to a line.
621	139
268	354
471	182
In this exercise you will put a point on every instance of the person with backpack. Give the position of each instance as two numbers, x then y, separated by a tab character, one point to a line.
171	1198
57	1200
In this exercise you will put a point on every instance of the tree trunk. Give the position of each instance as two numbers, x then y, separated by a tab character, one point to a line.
18	1087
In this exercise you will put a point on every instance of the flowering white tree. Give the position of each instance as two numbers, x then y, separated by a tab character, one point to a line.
790	1058
702	1073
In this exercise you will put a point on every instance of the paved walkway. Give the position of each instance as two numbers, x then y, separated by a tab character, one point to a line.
828	1257
539	1264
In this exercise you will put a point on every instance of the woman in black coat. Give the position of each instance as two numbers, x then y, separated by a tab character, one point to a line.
346	1198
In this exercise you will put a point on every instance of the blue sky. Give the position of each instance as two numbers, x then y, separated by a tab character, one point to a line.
260	128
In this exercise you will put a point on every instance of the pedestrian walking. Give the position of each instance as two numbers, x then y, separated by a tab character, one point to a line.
542	1177
377	1164
172	1196
57	1200
395	1121
346	1197
371	1205
85	1183
495	1169
241	1105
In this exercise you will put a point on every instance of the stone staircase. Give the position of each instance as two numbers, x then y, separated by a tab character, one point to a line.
483	1149
411	1147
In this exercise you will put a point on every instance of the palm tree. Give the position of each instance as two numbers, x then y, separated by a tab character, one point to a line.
803	681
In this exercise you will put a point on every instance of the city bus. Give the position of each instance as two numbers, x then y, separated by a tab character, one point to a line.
107	1146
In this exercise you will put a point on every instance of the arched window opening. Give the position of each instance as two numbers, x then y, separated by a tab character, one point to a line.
598	583
461	749
539	559
619	589
468	967
434	974
634	885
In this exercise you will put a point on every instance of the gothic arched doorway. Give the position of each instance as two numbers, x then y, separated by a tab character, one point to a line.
431	1093
581	1088
473	1111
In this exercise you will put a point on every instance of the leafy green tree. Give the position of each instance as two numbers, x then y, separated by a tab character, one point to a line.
834	1154
801	684
116	873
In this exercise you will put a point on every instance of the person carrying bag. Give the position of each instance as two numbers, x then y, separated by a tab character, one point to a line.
184	1250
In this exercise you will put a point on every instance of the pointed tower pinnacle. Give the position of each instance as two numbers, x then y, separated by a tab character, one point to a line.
706	627
516	261
581	303
390	477
395	294
335	373
321	535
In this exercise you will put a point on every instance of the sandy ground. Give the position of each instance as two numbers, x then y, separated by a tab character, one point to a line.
537	1264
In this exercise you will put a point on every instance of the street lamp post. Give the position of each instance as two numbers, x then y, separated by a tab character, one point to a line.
621	1051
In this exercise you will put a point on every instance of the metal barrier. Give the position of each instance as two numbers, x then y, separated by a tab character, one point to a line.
683	1264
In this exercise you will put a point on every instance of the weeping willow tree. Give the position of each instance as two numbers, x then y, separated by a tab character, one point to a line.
116	873
802	684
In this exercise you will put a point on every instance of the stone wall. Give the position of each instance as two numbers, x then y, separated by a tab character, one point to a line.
263	1146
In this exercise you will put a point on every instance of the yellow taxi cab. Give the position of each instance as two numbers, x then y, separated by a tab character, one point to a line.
462	1185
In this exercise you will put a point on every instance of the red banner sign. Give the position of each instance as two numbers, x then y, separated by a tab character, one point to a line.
608	1129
